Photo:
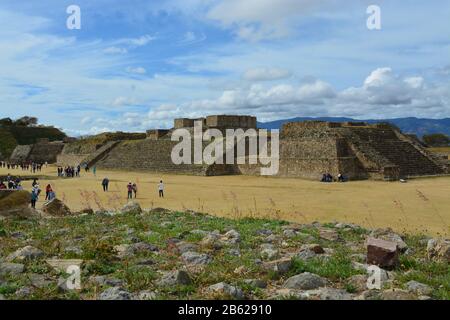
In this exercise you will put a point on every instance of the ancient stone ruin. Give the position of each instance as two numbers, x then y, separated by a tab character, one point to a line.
307	150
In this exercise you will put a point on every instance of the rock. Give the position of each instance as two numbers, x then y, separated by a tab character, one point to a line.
419	288
305	281
333	294
11	268
26	253
256	283
186	246
141	247
317	249
289	233
231	237
389	235
147	295
359	282
15	204
131	208
175	278
56	208
195	258
328	234
105	281
438	250
382	253
124	251
23	292
115	293
396	294
74	250
211	240
270	239
306	255
234	252
2	297
279	267
62	285
369	295
425	298
40	281
18	235
226	290
269	254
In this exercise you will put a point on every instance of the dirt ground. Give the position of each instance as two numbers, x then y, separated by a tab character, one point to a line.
421	205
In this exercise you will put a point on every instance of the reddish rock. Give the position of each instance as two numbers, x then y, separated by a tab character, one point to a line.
382	253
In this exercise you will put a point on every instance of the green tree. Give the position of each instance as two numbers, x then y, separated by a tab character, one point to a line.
436	140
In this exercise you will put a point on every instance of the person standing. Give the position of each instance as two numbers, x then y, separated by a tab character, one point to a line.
48	189
161	189
94	170
135	190
130	190
34	198
105	184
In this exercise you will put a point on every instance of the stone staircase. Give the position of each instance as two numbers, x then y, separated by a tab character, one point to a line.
100	153
383	148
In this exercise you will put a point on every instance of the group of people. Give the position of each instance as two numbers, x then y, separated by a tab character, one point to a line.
69	171
132	188
24	166
327	177
11	183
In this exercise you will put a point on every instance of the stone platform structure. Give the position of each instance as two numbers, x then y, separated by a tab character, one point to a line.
41	152
307	150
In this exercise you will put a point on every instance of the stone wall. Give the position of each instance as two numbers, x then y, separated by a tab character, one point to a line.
154	156
45	152
20	154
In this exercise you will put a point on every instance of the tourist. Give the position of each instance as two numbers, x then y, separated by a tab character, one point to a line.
34	198
130	190
94	170
48	189
34	183
105	184
161	189
135	190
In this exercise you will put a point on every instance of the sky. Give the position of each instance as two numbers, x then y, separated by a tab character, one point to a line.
136	65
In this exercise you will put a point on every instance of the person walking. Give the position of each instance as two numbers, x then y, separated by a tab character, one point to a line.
130	190
105	184
161	189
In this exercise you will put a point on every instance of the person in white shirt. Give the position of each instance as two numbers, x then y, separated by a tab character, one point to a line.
161	189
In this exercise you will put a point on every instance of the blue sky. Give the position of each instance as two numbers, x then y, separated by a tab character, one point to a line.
137	64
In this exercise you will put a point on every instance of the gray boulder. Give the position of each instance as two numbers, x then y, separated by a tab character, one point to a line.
174	278
195	258
11	268
227	290
305	281
115	293
26	253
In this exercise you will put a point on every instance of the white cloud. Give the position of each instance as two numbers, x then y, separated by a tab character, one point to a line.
266	74
137	70
123	101
262	19
137	42
115	50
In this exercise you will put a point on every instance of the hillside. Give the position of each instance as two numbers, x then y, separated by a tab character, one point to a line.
415	126
13	134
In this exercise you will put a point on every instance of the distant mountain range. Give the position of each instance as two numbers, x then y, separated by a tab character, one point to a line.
417	126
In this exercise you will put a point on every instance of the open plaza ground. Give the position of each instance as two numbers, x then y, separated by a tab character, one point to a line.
420	205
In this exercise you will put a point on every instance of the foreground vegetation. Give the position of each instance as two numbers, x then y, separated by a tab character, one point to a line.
134	256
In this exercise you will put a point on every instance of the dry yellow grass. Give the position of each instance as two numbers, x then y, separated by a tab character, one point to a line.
420	205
